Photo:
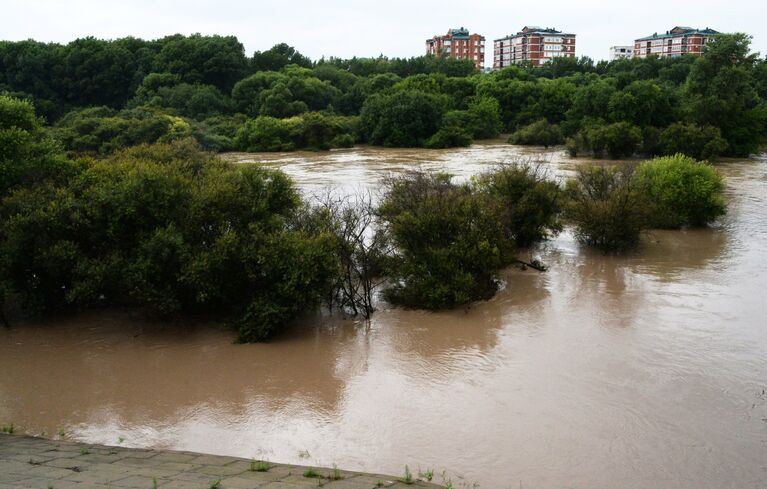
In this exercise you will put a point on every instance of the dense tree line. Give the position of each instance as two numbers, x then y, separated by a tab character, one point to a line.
101	95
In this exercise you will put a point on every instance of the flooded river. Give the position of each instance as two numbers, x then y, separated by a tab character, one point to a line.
645	370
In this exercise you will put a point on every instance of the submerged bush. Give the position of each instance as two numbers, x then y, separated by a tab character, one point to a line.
449	137
618	140
311	130
607	206
449	241
169	229
406	118
530	202
539	133
698	142
684	192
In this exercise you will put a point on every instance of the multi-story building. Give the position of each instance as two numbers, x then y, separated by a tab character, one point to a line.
619	52
676	42
532	44
458	43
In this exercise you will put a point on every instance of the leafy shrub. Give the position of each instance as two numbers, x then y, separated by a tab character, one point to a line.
607	206
695	141
539	133
311	130
485	115
449	137
100	130
449	241
618	139
169	229
265	133
27	155
685	192
405	118
530	203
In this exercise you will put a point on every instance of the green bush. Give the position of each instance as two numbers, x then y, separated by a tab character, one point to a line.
405	118
530	202
449	241
168	229
100	130
539	133
449	137
265	133
684	192
695	141
27	155
311	130
607	206
618	140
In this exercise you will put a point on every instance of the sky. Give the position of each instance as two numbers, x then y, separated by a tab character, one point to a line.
394	28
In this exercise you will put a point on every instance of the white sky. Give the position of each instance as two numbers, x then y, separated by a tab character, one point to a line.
395	28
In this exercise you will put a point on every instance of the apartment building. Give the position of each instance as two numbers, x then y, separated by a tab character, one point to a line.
458	43
536	45
620	52
678	41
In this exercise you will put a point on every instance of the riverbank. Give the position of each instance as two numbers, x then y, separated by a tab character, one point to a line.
29	462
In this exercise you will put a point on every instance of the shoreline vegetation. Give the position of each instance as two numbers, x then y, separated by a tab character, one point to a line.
111	193
178	231
99	96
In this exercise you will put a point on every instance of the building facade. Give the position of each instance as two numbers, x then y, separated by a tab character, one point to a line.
620	52
678	41
458	43
532	44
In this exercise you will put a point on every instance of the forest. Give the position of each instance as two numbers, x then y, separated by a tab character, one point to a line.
99	96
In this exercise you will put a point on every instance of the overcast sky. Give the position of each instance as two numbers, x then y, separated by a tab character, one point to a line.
347	28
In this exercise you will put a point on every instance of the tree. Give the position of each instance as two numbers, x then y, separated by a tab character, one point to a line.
278	57
209	60
539	133
403	118
27	156
720	92
698	142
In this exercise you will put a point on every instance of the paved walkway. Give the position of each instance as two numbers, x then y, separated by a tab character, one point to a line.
27	462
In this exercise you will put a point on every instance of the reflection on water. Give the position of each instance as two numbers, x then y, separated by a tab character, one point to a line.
644	370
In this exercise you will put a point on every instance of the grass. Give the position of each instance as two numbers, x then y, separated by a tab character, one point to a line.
154	482
84	451
8	428
120	439
214	484
260	466
311	473
336	475
62	433
428	475
408	478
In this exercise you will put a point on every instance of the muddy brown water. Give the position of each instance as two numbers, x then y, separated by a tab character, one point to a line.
645	370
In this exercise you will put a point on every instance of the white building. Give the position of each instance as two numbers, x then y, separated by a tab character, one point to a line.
619	52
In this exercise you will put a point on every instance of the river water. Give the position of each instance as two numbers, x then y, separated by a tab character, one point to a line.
644	370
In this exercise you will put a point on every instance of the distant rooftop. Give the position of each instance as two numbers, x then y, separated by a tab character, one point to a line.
462	32
531	29
680	31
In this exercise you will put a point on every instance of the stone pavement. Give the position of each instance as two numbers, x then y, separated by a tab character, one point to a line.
27	462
